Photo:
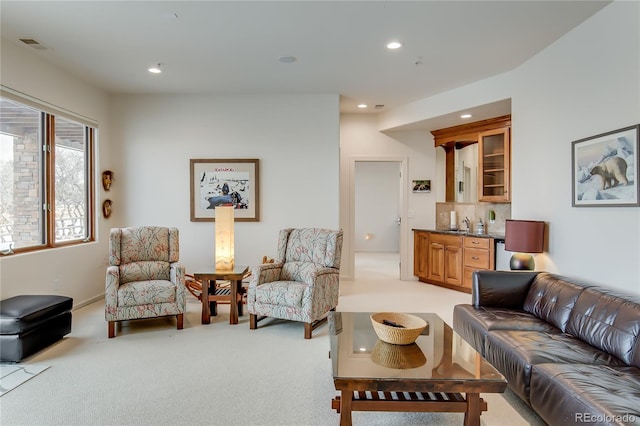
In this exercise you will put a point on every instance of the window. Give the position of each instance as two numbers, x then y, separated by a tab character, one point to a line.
45	178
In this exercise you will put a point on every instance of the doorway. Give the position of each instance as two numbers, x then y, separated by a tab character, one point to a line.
377	219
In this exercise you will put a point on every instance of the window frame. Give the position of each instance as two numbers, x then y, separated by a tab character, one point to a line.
48	179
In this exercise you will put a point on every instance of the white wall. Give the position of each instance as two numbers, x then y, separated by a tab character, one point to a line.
585	84
377	206
76	271
295	137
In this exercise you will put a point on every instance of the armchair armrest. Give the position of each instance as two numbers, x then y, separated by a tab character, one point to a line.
176	275
506	289
177	272
325	270
112	283
265	273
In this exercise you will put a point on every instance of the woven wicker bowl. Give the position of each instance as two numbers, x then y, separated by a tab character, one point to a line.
398	356
413	326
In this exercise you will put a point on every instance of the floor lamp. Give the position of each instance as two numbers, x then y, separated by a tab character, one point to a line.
523	237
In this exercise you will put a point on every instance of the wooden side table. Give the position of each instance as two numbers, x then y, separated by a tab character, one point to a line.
208	280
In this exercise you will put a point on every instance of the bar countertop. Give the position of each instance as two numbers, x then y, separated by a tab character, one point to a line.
462	233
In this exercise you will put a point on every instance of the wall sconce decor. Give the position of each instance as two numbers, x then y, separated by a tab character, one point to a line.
224	238
523	237
106	208
107	178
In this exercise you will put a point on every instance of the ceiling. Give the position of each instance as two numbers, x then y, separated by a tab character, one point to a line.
235	47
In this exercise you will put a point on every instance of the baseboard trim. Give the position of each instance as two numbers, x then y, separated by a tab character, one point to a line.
87	302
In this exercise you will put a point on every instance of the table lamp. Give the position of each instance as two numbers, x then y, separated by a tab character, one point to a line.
224	238
524	237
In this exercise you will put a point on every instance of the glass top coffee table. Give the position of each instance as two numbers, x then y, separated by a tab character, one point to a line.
440	372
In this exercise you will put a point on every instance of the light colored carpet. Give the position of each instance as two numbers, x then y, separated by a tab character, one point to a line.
13	375
220	374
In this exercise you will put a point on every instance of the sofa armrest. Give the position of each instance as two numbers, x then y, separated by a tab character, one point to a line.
507	289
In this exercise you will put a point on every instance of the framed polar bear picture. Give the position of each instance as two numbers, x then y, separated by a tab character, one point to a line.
605	169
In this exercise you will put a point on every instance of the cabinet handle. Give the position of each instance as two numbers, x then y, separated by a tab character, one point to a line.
475	242
475	257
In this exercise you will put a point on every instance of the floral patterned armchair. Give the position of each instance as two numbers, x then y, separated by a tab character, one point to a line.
144	278
303	282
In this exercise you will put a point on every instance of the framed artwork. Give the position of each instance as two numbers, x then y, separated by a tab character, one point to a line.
217	182
605	169
421	185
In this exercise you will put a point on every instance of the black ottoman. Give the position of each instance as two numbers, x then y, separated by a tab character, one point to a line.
31	323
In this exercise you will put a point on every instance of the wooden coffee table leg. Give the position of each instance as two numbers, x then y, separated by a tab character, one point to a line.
472	416
346	396
206	314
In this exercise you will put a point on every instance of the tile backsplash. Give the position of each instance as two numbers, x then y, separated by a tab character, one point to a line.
474	211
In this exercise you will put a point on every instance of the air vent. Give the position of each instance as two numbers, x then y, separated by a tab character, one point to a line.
33	43
29	41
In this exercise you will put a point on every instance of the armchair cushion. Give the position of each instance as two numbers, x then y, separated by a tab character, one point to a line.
150	292
144	271
143	243
321	246
281	293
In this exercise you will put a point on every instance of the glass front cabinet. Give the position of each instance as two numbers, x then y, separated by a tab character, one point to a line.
494	165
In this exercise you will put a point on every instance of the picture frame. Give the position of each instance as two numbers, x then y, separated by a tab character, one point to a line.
605	169
421	185
225	182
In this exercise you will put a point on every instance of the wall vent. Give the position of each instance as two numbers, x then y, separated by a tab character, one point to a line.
33	43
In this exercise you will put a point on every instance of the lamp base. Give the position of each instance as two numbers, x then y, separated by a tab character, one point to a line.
522	262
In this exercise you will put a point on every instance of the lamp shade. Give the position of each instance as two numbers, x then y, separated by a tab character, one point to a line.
224	238
524	236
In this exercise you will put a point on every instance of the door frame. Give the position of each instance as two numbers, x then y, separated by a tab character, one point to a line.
402	211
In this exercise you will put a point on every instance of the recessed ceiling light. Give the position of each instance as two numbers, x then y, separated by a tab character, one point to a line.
465	116
287	59
394	45
362	105
155	69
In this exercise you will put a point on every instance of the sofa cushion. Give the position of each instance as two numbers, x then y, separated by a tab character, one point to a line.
514	353
609	321
504	289
551	298
473	323
576	394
